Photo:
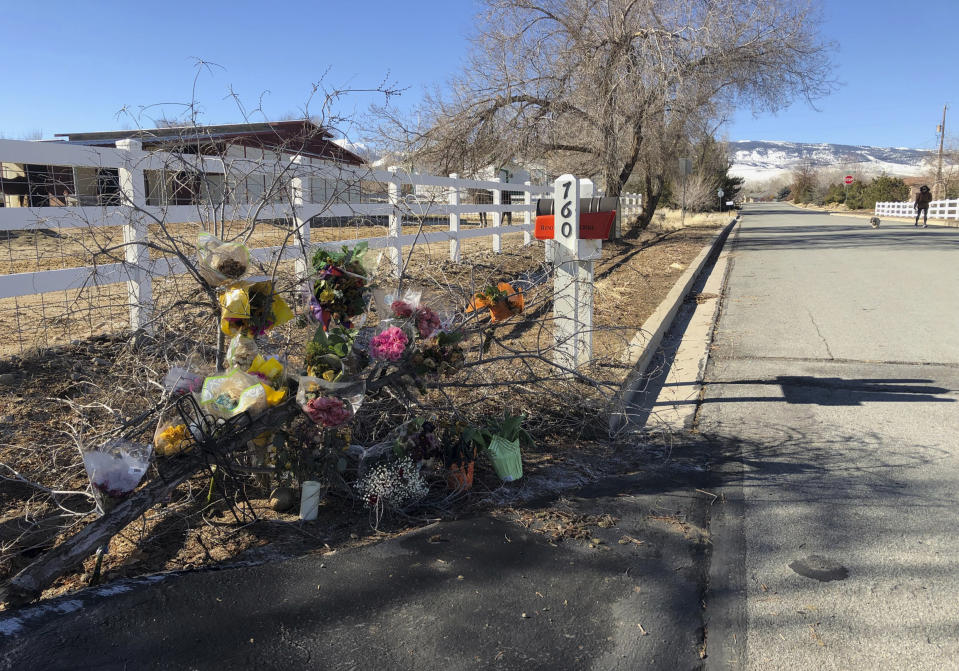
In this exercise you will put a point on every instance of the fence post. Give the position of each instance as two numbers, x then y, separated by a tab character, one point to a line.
395	226
573	278
135	234
618	221
454	221
302	187
527	215
497	219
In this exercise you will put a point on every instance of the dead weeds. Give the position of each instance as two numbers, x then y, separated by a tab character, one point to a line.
558	525
50	398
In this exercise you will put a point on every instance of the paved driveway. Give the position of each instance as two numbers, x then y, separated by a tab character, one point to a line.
832	401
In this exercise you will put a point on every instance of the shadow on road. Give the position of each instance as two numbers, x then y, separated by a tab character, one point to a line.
845	237
831	391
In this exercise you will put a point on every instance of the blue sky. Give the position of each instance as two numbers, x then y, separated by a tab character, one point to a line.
71	66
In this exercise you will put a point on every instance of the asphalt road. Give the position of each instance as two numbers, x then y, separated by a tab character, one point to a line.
831	403
480	593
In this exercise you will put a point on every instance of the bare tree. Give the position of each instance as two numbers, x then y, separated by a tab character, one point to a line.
611	88
807	183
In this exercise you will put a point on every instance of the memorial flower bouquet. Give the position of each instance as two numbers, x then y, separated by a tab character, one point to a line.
171	437
421	317
252	309
329	352
392	485
338	287
115	469
441	355
504	300
330	404
419	441
389	345
221	262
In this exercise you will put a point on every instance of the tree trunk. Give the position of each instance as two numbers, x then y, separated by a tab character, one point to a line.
613	186
652	192
650	201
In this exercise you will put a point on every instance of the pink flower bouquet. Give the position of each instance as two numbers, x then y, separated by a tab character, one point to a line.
389	344
402	309
427	322
330	404
328	411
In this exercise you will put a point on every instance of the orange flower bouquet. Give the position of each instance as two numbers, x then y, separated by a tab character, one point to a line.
504	300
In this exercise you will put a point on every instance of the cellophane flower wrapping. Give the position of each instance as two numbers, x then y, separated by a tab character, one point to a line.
221	262
268	369
330	404
172	435
233	392
115	469
252	309
242	351
182	380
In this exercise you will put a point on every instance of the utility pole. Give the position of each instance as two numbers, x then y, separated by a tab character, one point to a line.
939	189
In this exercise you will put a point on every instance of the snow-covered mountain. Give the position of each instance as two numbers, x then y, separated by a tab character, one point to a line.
759	161
362	150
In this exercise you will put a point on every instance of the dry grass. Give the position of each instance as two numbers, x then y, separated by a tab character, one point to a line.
671	220
79	390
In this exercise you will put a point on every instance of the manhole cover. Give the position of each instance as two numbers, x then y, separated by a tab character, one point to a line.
819	568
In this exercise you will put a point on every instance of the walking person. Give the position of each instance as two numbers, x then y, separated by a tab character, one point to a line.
921	205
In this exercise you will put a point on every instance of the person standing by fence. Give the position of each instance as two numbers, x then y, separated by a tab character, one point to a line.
923	198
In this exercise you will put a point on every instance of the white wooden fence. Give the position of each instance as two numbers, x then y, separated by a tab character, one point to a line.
938	209
135	213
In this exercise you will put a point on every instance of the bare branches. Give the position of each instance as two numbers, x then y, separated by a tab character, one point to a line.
611	89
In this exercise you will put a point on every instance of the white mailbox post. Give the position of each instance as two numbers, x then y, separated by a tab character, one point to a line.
573	277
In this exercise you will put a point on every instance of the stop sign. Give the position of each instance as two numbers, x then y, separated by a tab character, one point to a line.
848	179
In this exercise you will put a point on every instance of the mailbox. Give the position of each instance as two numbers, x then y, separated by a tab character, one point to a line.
596	217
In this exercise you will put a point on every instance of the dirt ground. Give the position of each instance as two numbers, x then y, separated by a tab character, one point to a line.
50	397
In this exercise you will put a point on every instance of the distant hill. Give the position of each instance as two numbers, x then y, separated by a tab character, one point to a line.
362	150
758	161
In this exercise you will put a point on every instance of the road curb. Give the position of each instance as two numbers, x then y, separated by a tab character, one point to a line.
647	339
678	399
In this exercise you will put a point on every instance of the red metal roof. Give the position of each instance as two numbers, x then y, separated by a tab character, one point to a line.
298	136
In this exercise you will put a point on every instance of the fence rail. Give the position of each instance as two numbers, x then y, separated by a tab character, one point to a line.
310	192
938	209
